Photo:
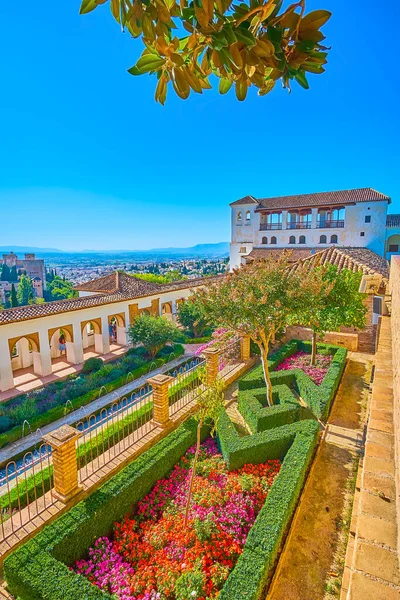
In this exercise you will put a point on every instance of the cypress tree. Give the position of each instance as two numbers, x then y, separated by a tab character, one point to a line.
13	297
13	274
5	272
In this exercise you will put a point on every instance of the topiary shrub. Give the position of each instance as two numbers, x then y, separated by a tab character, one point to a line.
92	365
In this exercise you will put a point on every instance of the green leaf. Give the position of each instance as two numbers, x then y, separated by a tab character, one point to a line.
87	6
241	90
302	79
225	85
245	36
146	63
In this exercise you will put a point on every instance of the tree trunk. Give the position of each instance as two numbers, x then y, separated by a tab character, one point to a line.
264	362
313	348
188	501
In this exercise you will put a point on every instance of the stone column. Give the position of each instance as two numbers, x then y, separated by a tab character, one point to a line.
155	308
314	217
6	372
105	336
245	347
63	444
42	360
75	348
160	384
212	363
284	219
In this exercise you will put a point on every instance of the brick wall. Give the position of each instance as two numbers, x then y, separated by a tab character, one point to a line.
395	326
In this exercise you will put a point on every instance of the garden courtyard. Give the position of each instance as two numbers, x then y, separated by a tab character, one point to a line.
236	476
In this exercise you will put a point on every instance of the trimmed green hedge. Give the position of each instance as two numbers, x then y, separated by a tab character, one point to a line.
249	578
252	405
36	485
58	411
319	398
38	570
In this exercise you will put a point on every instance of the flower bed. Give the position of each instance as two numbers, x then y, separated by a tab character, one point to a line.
301	360
48	404
153	553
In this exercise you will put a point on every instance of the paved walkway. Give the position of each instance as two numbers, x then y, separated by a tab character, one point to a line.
30	440
372	561
307	557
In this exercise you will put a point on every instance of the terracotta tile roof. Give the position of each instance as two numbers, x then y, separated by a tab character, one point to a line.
118	282
128	290
355	259
393	221
341	197
245	200
265	253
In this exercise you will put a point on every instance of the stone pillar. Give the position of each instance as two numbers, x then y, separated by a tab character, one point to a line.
314	217
245	347
284	219
63	444
160	384
133	312
75	348
105	336
155	308
42	360
6	373
212	363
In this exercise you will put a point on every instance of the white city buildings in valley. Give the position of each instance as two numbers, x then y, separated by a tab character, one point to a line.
310	222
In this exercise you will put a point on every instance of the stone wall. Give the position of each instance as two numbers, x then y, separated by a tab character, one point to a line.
347	340
348	337
395	326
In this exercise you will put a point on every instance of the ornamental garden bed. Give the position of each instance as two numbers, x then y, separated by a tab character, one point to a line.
48	404
289	383
149	490
42	567
34	486
153	555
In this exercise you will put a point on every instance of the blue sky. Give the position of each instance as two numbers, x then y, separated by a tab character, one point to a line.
89	160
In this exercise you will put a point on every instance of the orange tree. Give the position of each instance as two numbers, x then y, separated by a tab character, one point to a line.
254	42
257	300
333	301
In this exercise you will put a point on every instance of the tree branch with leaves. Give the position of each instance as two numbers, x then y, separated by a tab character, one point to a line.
334	301
253	43
210	403
256	300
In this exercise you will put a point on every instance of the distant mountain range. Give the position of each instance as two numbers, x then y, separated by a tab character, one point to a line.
22	249
219	249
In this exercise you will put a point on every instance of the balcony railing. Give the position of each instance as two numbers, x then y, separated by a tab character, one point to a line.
270	226
330	223
299	225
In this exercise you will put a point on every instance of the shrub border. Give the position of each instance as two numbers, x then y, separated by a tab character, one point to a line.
319	398
57	412
37	570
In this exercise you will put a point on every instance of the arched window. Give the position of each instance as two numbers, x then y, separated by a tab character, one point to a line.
248	216
302	239
239	216
273	240
322	239
292	239
334	239
264	240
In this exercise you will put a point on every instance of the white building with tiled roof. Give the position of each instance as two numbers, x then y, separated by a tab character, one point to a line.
306	222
